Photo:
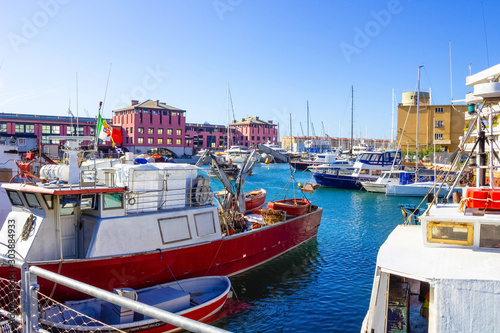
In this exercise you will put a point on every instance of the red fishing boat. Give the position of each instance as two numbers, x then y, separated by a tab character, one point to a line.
137	226
295	207
198	299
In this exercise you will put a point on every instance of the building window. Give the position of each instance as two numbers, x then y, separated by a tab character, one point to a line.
3	127
150	141
169	141
151	130
126	130
169	131
179	132
160	131
140	130
438	123
19	128
160	141
140	140
438	136
30	128
56	130
45	139
46	129
126	139
178	141
439	110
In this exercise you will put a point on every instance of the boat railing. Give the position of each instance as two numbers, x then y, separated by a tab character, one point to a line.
24	309
153	190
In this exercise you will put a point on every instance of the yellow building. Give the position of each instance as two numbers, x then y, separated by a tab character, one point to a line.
438	124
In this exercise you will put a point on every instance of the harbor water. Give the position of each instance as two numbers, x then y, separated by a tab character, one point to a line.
324	285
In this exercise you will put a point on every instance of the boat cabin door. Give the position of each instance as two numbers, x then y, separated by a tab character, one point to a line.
67	225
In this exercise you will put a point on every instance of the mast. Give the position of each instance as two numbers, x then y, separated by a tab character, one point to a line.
291	133
352	120
228	137
392	127
307	138
416	136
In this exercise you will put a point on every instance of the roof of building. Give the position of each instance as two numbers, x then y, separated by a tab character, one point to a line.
149	104
38	117
252	120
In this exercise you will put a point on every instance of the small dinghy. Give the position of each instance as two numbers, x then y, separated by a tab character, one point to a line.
196	298
294	207
255	199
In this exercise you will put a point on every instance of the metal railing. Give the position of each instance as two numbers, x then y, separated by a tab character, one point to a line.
29	302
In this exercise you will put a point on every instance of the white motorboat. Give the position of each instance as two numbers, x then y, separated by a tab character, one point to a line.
387	177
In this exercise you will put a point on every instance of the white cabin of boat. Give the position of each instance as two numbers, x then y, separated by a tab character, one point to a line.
132	209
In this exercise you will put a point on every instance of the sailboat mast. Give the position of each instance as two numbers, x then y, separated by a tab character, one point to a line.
291	133
392	128
308	123
418	113
352	120
228	137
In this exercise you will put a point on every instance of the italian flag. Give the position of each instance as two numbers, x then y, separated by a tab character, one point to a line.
103	129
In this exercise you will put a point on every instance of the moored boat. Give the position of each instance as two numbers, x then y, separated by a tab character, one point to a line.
196	298
368	167
137	226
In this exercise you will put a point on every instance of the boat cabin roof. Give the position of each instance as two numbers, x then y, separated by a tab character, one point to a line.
62	189
405	252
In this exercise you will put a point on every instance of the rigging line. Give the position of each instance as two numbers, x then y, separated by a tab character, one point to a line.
166	263
430	84
107	83
485	36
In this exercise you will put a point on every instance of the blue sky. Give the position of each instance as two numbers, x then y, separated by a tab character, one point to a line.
275	55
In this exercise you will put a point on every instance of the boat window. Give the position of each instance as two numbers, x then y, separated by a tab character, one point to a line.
32	200
376	172
49	200
87	201
67	204
15	199
450	233
364	172
489	236
113	201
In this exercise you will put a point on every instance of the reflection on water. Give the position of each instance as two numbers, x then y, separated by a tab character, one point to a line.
324	285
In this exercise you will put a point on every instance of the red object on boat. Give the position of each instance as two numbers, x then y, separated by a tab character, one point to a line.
292	206
477	198
255	199
494	202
